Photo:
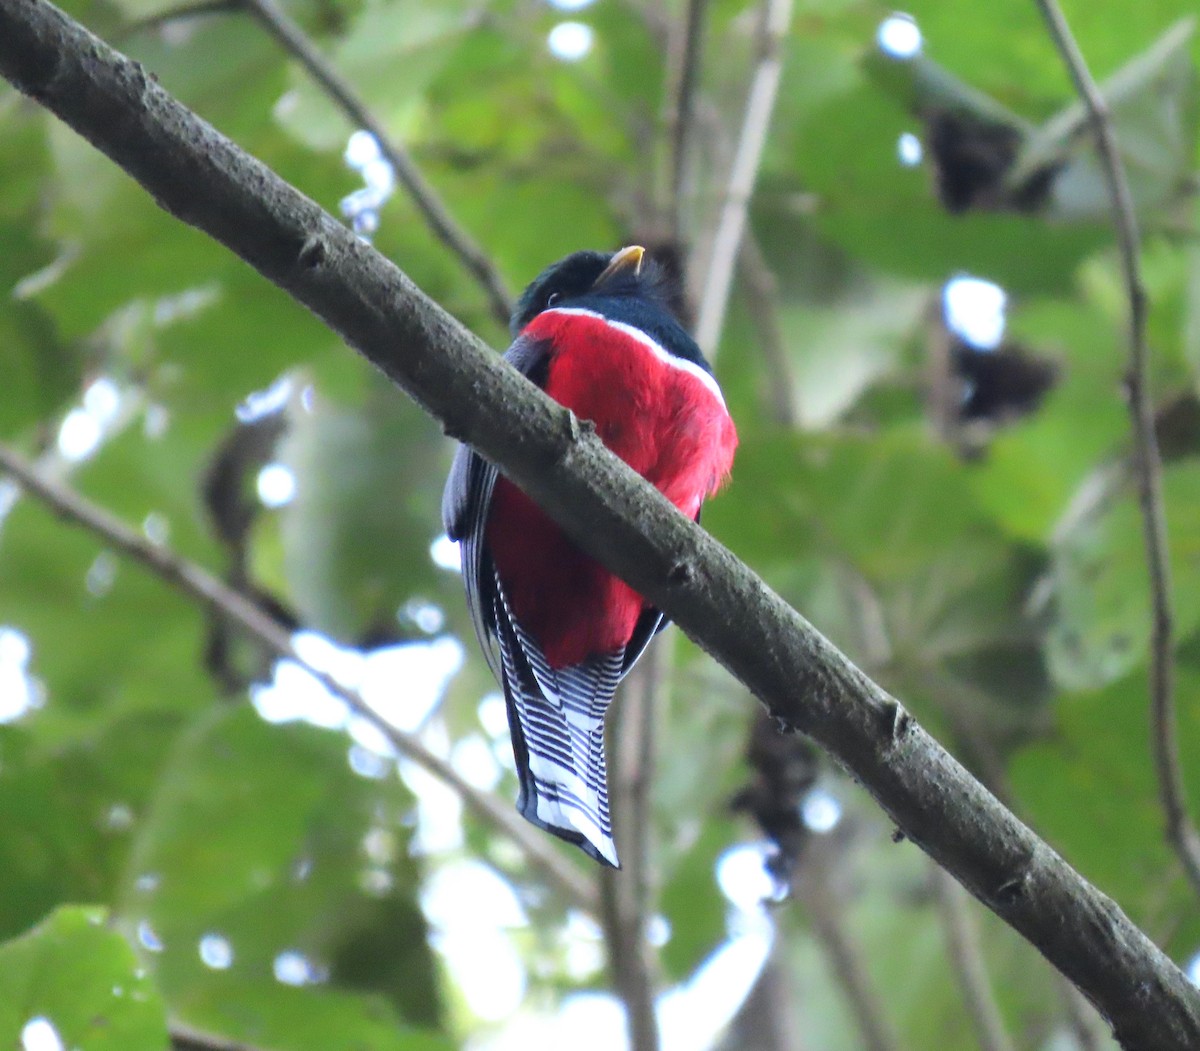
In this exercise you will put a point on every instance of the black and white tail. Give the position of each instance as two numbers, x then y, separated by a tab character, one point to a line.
556	717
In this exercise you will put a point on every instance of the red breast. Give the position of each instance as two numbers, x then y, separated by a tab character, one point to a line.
665	417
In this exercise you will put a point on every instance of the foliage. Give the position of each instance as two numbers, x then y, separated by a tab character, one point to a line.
165	853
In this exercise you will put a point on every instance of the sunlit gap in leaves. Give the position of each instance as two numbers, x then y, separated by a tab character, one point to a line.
899	36
1192	970
424	669
425	615
444	553
570	41
156	528
39	1034
493	718
974	310
909	150
691	1015
216	952
83	428
148	937
101	575
20	692
821	811
275	482
473	914
276	485
363	155
292	967
475	762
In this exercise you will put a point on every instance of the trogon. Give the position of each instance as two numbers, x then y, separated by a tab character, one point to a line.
559	630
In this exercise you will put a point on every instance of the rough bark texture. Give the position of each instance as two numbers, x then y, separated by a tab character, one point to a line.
203	179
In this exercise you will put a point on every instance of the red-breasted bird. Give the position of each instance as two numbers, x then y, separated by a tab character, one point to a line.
559	630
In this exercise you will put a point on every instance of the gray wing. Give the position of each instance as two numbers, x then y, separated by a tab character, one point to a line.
466	501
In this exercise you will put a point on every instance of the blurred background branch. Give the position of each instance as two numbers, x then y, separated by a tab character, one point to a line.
1181	830
207	590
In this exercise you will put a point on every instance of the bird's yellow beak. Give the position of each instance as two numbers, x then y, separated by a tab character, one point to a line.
625	259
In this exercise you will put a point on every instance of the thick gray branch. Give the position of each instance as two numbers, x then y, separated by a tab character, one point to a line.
201	177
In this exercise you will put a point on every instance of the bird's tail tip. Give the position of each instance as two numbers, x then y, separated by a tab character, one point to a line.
550	809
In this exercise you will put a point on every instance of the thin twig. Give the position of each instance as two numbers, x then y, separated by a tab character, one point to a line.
625	896
966	960
652	680
767	1020
1086	1026
777	15
680	119
180	13
1181	832
425	197
185	1038
198	584
762	292
814	886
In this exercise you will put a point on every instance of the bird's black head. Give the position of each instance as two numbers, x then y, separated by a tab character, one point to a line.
590	278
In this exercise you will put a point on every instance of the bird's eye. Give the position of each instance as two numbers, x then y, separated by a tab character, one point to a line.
552	298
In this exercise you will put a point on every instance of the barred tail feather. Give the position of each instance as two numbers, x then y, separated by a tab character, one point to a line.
556	717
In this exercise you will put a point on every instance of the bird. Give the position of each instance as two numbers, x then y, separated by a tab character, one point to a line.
596	332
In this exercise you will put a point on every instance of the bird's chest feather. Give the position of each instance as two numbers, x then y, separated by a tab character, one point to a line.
662	415
665	419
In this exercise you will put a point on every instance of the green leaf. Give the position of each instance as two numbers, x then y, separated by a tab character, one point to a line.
389	54
70	810
356	537
1153	105
861	340
40	370
85	610
1101	603
261	837
271	1015
82	978
1090	789
24	157
886	214
888	503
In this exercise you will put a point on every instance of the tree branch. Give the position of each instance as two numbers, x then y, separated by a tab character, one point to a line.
202	178
425	197
185	1038
1085	1025
762	293
966	960
1181	832
625	895
813	885
714	300
766	1020
183	12
681	118
198	584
